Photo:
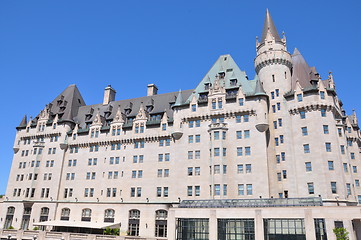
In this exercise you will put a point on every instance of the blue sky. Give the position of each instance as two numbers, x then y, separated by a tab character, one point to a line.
47	45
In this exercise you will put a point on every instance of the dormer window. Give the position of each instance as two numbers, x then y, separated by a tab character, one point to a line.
221	75
141	128
207	86
149	108
214	104
233	82
127	111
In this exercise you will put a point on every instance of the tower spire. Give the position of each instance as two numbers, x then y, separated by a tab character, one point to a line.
269	26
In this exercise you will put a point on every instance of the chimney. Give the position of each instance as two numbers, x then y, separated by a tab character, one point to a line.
152	90
109	95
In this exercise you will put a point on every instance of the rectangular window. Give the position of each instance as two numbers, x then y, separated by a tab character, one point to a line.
278	106
306	148
197	190
224	152
284	174
249	189
248	151
325	129
216	135
198	123
197	154
330	165
190	154
280	122
217	189
342	149
238	119
333	187
189	190
167	157
246	133
299	97
302	114
275	124
194	107
304	131
164	126
322	94
308	166
190	171
323	112
241	189
241	101
310	188
248	168
273	95
273	108
345	169
352	155
198	138
239	134
216	152
328	147
240	168
190	139
217	169
160	157
191	124
357	183
278	158
354	169
239	151
246	118
348	188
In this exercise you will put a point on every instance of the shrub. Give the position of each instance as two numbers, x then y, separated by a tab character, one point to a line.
341	233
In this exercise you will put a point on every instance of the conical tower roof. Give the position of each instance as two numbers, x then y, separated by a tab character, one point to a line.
23	122
269	26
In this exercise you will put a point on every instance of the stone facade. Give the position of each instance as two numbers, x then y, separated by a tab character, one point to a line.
133	164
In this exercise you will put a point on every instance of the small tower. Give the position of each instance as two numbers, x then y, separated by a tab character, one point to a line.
273	63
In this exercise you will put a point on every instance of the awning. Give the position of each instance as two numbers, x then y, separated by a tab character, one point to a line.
78	224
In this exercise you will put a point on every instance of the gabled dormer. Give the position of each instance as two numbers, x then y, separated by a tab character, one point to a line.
44	116
117	123
217	94
298	93
322	90
164	121
94	129
140	120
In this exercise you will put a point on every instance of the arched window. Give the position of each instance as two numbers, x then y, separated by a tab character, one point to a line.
26	219
161	223
109	215
134	216
65	214
9	217
86	215
44	213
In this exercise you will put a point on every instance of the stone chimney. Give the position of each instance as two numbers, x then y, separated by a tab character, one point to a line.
152	90
109	95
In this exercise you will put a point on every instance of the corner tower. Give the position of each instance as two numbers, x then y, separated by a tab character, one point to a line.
273	63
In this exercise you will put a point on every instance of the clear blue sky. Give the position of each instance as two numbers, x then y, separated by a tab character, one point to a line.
47	45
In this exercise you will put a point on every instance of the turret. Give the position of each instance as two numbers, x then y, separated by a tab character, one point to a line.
273	63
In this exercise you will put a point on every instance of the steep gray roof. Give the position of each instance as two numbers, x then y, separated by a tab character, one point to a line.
302	72
156	104
23	122
269	25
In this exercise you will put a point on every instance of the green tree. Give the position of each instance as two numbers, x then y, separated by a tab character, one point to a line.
341	233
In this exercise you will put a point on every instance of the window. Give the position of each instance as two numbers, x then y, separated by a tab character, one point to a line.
345	169
278	158
224	152
164	126
109	215
248	151
330	165
191	124
189	190
352	155
323	112
246	118
239	151
278	106
302	114
276	141
273	95
249	189
241	189
216	152
240	168
248	168
198	123
190	171
133	227
339	131
194	107
224	189
310	188
197	171
86	215
241	101
280	122
322	94
214	104
281	139
198	138
217	189
304	131
239	134
299	97
325	129
275	124
216	135
284	174
328	147
246	133
348	188
197	154
357	182
306	148
342	149
161	223
190	139
65	214
217	169
354	169
238	119
308	166
197	190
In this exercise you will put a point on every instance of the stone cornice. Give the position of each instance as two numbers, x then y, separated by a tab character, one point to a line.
225	114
